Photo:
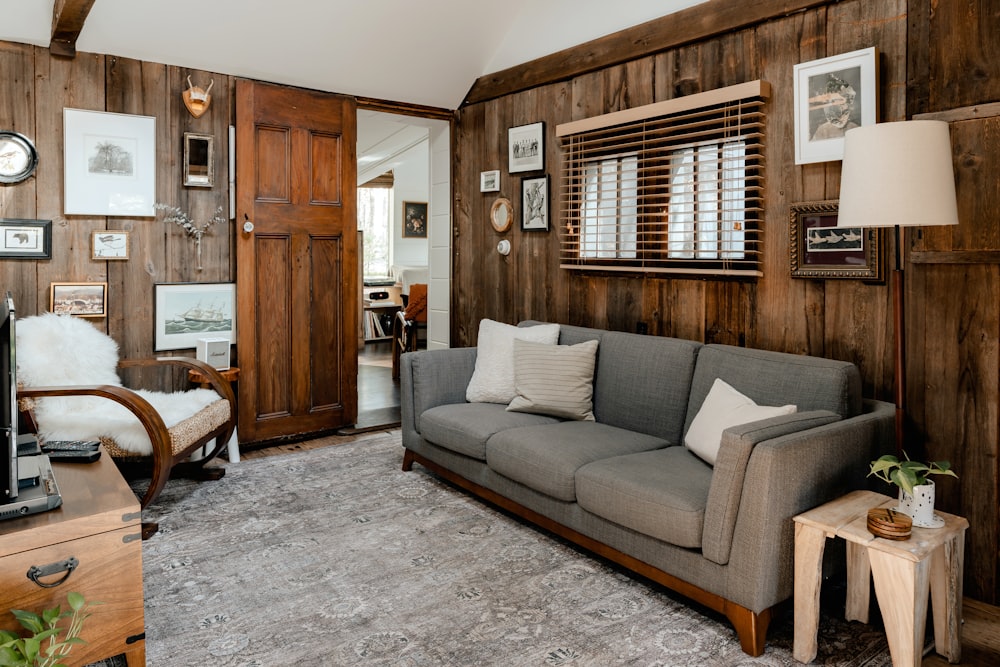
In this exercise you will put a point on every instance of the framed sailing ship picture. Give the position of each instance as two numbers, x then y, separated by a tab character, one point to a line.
185	312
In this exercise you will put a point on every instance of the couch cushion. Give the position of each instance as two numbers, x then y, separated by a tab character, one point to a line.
555	380
662	493
493	379
722	408
465	427
777	378
546	458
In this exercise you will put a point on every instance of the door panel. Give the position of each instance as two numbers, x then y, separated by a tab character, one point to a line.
296	282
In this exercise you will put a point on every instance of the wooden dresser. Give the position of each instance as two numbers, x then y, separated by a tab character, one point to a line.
98	524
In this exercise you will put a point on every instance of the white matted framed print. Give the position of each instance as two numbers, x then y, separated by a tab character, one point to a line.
110	163
108	244
535	204
526	148
833	95
185	312
489	181
25	239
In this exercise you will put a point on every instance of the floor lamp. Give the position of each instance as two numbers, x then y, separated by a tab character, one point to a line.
898	175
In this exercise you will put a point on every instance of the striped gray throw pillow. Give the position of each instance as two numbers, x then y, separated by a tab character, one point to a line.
556	380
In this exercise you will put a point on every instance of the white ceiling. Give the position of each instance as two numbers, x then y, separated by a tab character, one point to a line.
425	52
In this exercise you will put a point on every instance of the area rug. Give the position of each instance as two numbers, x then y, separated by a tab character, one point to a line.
335	556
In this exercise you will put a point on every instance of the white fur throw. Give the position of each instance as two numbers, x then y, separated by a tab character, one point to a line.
62	350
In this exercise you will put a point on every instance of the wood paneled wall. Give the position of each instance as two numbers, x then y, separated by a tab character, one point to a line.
931	61
37	87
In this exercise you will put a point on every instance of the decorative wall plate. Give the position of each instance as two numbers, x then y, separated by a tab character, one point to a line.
18	157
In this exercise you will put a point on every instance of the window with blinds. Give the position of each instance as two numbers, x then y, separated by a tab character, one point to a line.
672	187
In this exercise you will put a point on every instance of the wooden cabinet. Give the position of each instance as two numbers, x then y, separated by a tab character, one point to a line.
98	524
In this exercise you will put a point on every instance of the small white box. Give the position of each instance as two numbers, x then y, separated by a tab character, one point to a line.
214	352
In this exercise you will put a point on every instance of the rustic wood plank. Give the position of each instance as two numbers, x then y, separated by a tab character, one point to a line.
955	257
964	54
68	17
694	24
975	112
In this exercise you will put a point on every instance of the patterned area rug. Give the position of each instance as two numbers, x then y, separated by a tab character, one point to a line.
336	557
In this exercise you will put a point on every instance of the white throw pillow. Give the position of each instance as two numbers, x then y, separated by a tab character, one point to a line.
493	379
724	407
555	380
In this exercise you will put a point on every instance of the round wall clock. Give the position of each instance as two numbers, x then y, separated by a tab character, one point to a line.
18	157
501	214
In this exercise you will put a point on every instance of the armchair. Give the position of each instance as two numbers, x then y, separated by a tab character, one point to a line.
71	391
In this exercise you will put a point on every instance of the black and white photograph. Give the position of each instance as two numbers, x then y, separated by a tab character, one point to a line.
109	245
832	96
489	181
818	248
535	204
26	239
185	312
110	163
526	148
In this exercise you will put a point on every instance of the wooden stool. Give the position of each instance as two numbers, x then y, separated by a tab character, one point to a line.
905	572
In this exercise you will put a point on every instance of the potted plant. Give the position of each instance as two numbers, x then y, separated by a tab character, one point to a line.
916	491
43	648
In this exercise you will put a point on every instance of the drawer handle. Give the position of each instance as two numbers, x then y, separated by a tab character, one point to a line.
36	572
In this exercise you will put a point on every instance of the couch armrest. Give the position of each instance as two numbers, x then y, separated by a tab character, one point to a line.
429	378
786	476
728	477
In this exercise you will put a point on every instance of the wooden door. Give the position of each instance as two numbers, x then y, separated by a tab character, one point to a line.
297	286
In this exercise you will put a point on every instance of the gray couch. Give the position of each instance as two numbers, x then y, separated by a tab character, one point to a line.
626	488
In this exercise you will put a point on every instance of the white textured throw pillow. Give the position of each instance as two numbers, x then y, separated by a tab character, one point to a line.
555	380
724	407
493	379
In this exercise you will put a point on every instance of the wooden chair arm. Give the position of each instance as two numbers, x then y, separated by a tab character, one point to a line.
137	405
221	386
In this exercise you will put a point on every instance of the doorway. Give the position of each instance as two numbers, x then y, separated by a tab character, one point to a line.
413	154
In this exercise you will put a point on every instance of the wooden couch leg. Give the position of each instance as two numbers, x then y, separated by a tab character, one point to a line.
407	460
751	627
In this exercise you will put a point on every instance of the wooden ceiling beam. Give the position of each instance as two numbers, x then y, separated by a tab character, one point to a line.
688	25
68	17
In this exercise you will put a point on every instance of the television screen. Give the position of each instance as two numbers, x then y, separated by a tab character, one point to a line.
8	404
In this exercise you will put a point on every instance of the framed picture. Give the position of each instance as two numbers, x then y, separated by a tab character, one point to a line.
414	220
185	312
489	181
821	249
26	239
110	165
832	95
80	299
526	148
109	245
535	203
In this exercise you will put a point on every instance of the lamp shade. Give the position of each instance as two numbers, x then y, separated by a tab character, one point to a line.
898	174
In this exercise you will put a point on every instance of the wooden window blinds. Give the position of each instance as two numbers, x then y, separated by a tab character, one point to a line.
671	187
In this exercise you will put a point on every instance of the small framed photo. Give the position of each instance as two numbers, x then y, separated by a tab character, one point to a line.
26	239
185	312
535	204
526	148
110	163
818	248
833	95
489	181
414	219
109	245
80	299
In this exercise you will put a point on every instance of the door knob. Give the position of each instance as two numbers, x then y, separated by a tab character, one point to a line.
247	226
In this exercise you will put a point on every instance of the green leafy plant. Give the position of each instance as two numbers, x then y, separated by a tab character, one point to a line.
44	648
907	474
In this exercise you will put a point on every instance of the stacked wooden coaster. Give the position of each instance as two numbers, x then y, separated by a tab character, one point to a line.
889	523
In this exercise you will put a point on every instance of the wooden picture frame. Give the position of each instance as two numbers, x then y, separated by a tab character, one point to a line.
108	245
820	249
199	160
832	95
110	163
535	204
414	219
79	299
526	148
185	312
501	214
25	239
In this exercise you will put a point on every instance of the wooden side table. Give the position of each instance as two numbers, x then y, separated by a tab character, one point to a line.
230	375
905	572
99	524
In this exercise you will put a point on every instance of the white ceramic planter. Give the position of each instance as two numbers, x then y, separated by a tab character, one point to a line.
920	506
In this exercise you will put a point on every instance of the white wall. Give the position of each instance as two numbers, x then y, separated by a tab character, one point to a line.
439	289
411	171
